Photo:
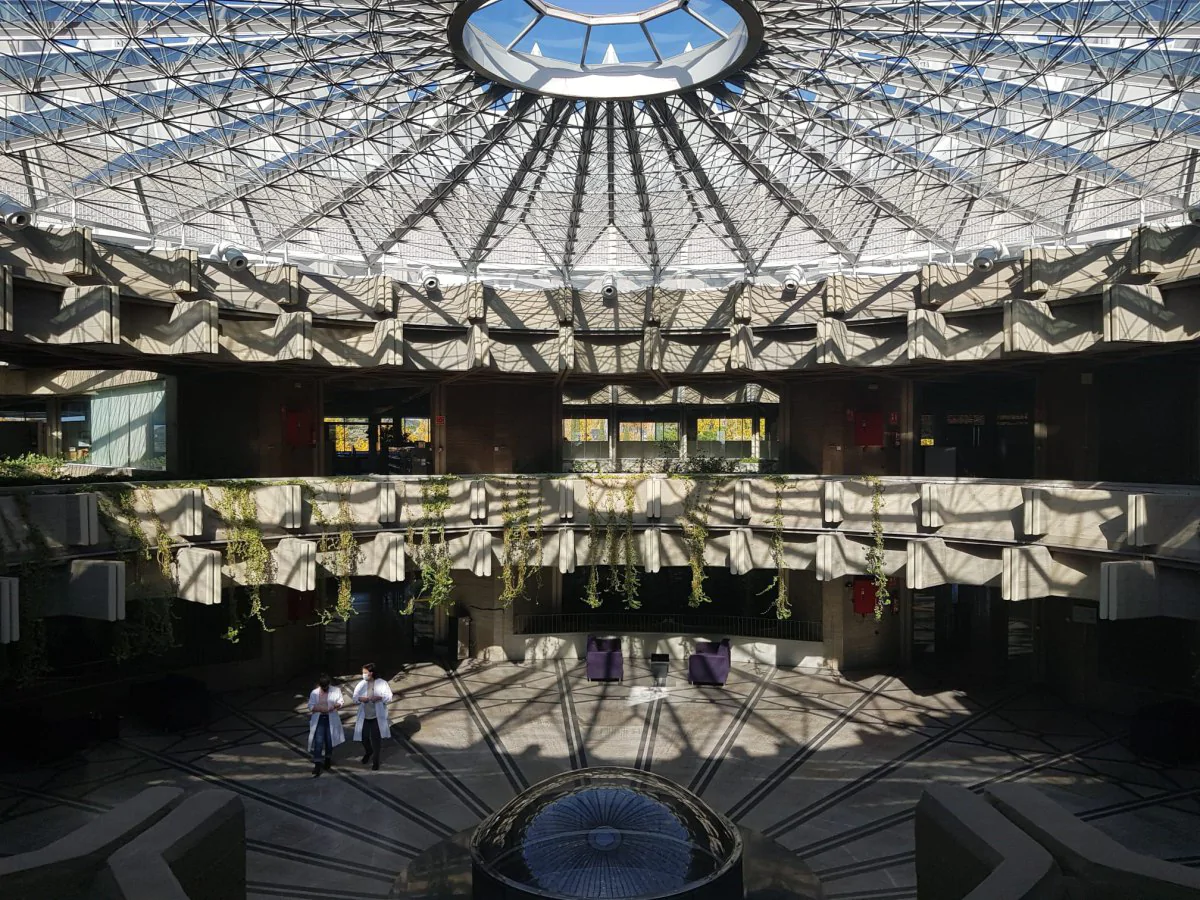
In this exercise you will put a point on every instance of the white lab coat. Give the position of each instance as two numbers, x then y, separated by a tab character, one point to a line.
337	732
383	696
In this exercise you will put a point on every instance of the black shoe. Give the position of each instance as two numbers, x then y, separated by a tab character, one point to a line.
366	758
328	764
316	771
374	767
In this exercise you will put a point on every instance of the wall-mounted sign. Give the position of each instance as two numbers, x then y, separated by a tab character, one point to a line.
926	442
439	420
1084	615
966	419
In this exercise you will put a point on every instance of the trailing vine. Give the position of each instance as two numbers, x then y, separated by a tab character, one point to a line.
427	538
779	584
341	547
617	548
149	625
238	509
696	508
875	553
522	547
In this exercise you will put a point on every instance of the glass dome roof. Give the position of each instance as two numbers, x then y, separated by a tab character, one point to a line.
860	132
603	834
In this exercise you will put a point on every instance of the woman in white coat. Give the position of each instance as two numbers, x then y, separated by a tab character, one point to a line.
325	729
372	696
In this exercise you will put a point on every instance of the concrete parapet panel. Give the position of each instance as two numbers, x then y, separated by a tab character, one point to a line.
257	288
180	510
1065	273
361	501
567	492
899	505
800	501
966	849
871	296
10	610
566	348
565	550
740	560
295	564
774	307
974	510
346	297
1076	517
653	487
524	352
382	345
963	339
652	549
446	306
68	867
787	350
277	507
1129	590
690	354
478	501
198	575
161	274
436	350
388	503
88	314
838	555
1139	312
6	298
1098	867
931	506
933	562
832	499
950	288
706	309
287	336
383	557
653	349
881	344
606	495
590	311
520	310
187	327
479	345
1033	571
1031	326
69	520
741	500
1165	255
95	590
43	253
196	852
740	353
479	552
1169	522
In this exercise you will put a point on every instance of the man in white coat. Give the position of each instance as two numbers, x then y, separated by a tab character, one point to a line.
325	729
372	696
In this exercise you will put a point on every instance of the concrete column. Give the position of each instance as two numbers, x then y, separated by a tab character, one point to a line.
437	432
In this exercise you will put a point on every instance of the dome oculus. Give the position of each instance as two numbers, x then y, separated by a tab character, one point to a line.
605	50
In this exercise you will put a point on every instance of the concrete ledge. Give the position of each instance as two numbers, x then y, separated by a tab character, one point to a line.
198	852
67	867
966	850
1096	866
763	651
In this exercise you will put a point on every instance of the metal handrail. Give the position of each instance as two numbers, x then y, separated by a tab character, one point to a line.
669	623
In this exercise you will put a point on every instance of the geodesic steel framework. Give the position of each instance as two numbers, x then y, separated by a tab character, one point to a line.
862	131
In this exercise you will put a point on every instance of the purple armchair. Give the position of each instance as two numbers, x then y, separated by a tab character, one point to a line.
710	663
604	660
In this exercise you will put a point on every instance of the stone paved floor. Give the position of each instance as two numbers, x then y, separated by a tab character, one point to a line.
829	767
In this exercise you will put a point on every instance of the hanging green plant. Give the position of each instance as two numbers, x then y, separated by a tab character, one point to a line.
876	556
235	504
779	584
623	562
427	538
522	542
148	628
340	546
697	506
595	556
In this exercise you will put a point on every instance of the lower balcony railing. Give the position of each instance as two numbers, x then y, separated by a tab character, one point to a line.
667	623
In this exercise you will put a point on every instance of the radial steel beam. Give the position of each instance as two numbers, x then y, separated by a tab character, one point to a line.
806	151
633	144
669	127
456	176
543	142
780	191
427	138
583	160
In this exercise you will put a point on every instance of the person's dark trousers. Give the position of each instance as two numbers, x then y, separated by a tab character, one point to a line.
372	742
322	749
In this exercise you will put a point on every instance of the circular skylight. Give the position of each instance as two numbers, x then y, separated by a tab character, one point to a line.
605	49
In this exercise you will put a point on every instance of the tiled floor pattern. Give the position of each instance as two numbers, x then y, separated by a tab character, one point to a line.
829	767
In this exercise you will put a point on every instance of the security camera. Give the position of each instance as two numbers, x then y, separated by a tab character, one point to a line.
792	280
15	216
429	278
985	260
608	287
234	258
1193	214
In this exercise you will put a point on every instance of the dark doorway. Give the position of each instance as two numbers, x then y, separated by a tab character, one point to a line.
969	635
977	426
